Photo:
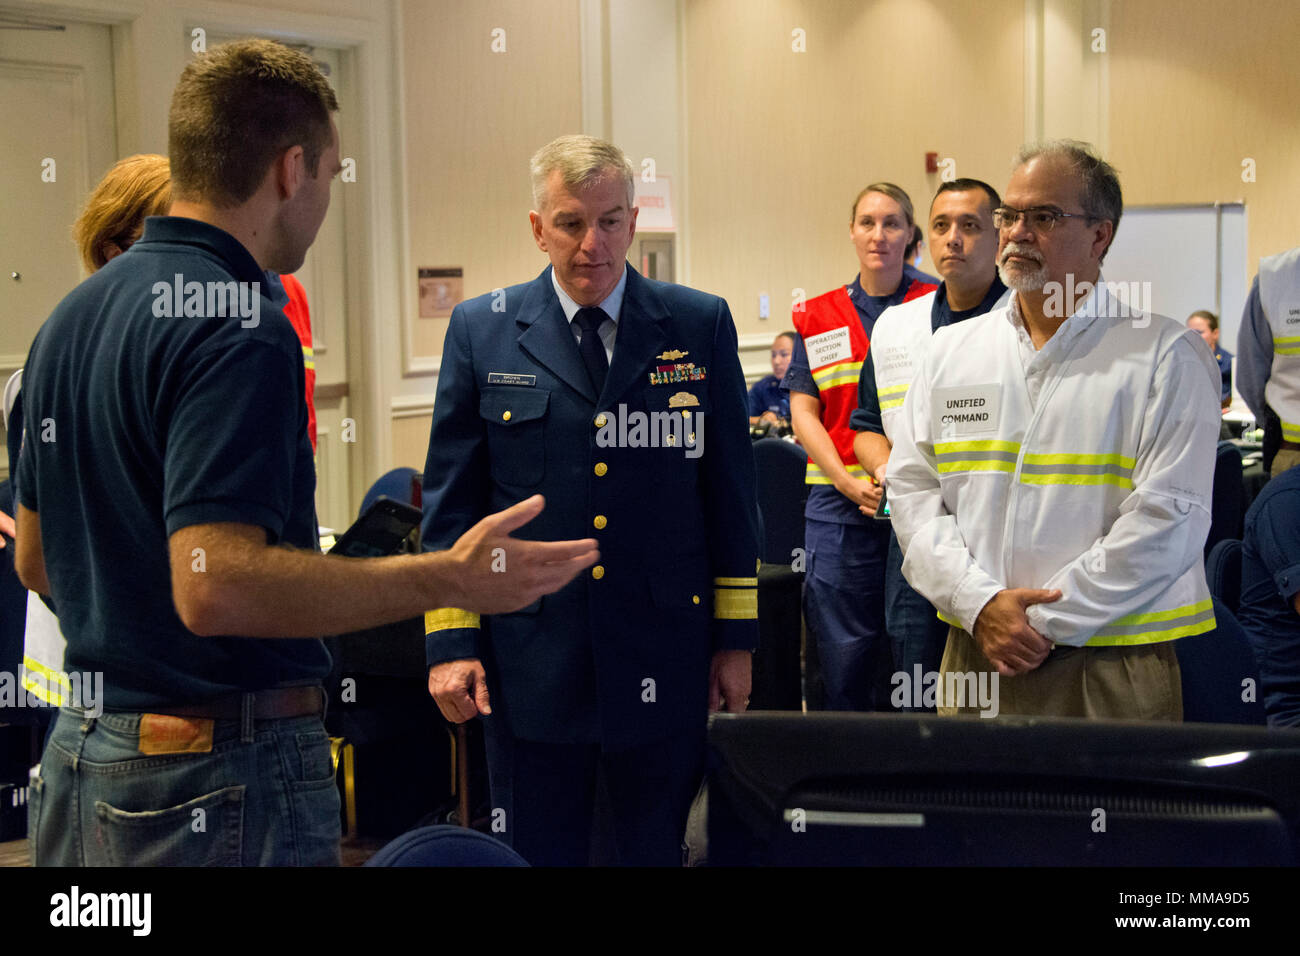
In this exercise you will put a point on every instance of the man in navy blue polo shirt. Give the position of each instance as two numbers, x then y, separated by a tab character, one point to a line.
1270	594
165	500
964	246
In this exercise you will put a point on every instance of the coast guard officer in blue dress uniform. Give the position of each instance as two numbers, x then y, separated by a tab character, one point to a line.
622	401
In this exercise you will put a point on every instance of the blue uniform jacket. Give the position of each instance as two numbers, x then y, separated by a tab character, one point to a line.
622	654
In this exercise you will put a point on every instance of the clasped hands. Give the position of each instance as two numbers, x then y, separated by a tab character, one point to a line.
1004	635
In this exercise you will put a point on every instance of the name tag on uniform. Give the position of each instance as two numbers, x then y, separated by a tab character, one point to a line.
965	410
511	378
827	348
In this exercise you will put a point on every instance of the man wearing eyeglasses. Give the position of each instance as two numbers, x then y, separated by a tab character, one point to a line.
1051	481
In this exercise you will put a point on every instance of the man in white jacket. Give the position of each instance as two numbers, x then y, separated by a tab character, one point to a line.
1051	485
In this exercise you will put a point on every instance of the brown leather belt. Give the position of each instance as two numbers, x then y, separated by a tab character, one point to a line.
271	704
1292	445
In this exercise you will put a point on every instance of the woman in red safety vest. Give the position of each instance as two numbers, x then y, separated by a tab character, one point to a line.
846	548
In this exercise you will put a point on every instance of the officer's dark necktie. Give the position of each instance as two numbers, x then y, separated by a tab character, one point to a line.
591	347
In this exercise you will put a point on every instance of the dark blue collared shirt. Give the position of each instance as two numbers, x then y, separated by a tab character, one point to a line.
140	422
866	418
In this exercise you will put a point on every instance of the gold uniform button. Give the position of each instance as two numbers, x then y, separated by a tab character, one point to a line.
599	521
598	572
600	469
601	420
505	416
695	599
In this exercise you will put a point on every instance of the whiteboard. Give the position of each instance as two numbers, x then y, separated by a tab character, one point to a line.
1193	257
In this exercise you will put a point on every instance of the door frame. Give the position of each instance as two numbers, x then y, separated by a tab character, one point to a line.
148	56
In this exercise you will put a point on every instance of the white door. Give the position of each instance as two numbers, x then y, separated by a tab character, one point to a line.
56	97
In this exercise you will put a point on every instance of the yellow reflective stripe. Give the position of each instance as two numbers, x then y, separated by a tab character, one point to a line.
986	444
447	618
815	476
1154	617
36	667
1153	637
46	689
847	378
891	397
1290	432
887	398
1287	346
308	357
994	464
841	373
1073	459
1120	481
735	582
735	604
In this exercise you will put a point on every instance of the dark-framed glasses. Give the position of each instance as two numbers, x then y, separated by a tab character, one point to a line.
1041	219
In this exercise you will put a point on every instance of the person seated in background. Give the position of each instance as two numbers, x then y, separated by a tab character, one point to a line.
1206	325
912	259
1270	595
767	403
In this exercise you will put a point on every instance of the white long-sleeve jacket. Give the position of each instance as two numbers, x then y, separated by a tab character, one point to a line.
1085	466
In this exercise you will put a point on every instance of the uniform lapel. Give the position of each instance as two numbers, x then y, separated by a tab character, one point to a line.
546	337
642	334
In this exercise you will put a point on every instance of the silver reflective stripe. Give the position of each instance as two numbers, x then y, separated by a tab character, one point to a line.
844	818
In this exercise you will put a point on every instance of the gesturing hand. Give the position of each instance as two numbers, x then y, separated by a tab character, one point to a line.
495	573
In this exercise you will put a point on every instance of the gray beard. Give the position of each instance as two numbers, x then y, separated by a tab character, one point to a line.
1020	281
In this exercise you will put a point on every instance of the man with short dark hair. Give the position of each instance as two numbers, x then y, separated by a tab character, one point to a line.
965	246
166	491
1051	480
622	400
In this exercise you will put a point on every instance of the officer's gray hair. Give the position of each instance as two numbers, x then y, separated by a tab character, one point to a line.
581	161
1099	191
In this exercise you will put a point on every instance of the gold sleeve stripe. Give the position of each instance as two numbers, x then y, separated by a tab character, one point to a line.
444	619
735	582
735	604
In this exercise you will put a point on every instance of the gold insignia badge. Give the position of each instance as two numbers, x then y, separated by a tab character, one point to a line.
682	398
671	355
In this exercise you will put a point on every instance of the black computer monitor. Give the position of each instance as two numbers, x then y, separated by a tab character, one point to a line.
790	789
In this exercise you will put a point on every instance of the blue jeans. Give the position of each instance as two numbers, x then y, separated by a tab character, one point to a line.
264	796
844	608
916	634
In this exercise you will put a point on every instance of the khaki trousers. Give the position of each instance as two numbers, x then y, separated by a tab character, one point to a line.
1284	459
1125	683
